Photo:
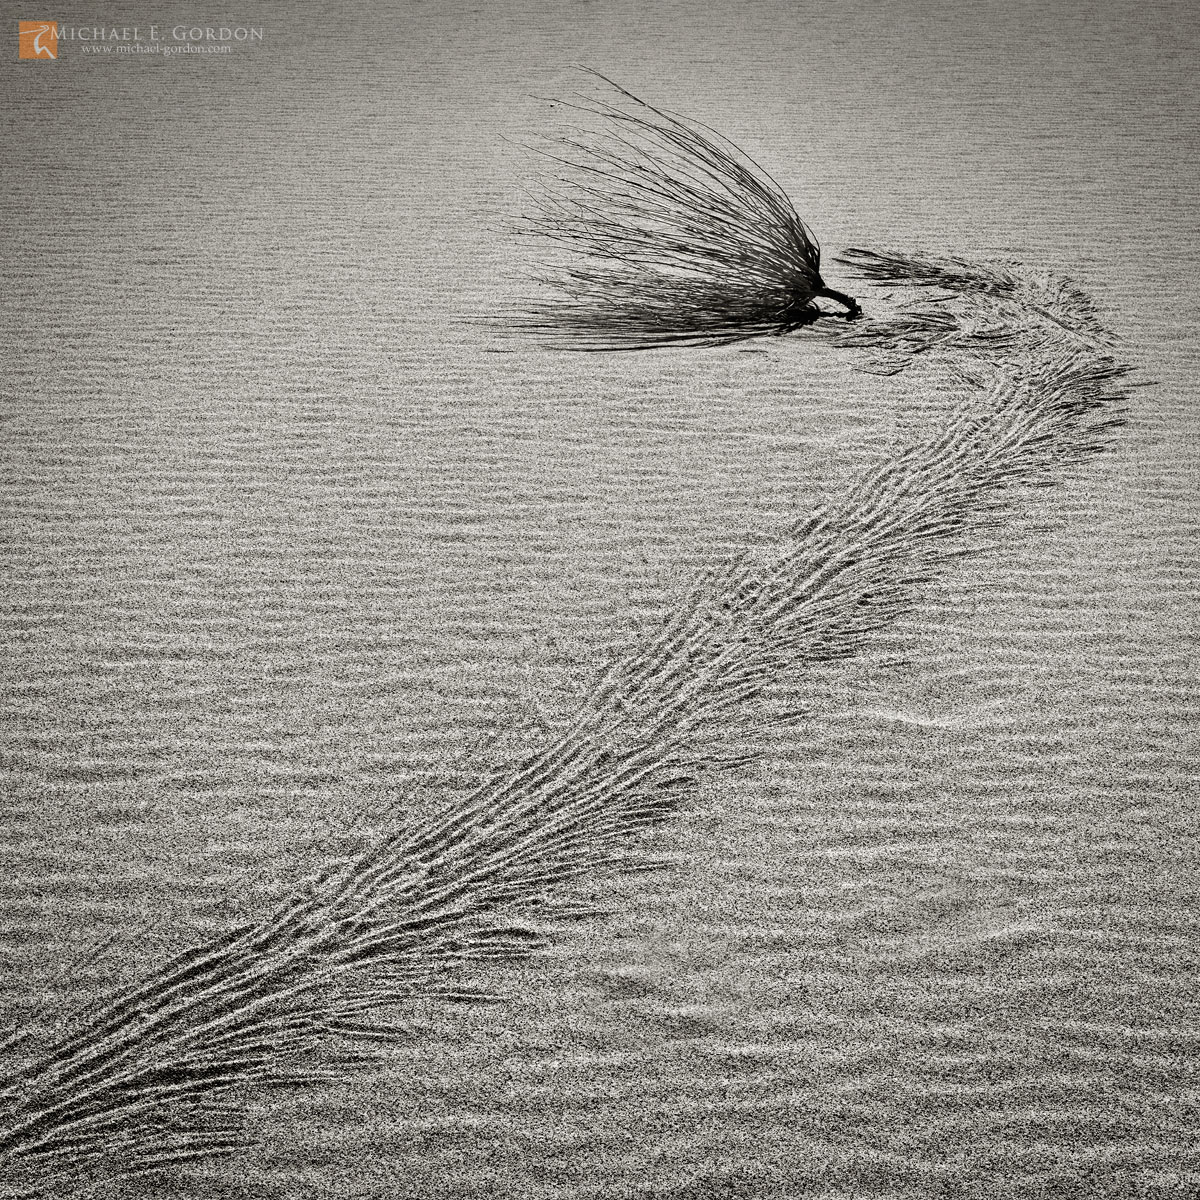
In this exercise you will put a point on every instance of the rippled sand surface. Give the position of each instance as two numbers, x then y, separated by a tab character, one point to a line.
290	537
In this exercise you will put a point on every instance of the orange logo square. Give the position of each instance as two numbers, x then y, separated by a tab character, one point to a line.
37	39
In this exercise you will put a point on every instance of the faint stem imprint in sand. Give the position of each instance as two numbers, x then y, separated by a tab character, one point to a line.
925	910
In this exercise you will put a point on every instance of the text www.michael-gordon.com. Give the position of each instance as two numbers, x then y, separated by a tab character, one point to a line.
131	48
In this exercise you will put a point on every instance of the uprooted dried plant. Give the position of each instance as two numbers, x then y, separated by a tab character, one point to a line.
672	235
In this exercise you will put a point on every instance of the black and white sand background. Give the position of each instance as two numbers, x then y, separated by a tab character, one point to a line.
297	553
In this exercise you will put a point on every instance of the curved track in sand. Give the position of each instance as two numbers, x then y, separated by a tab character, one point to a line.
156	1075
